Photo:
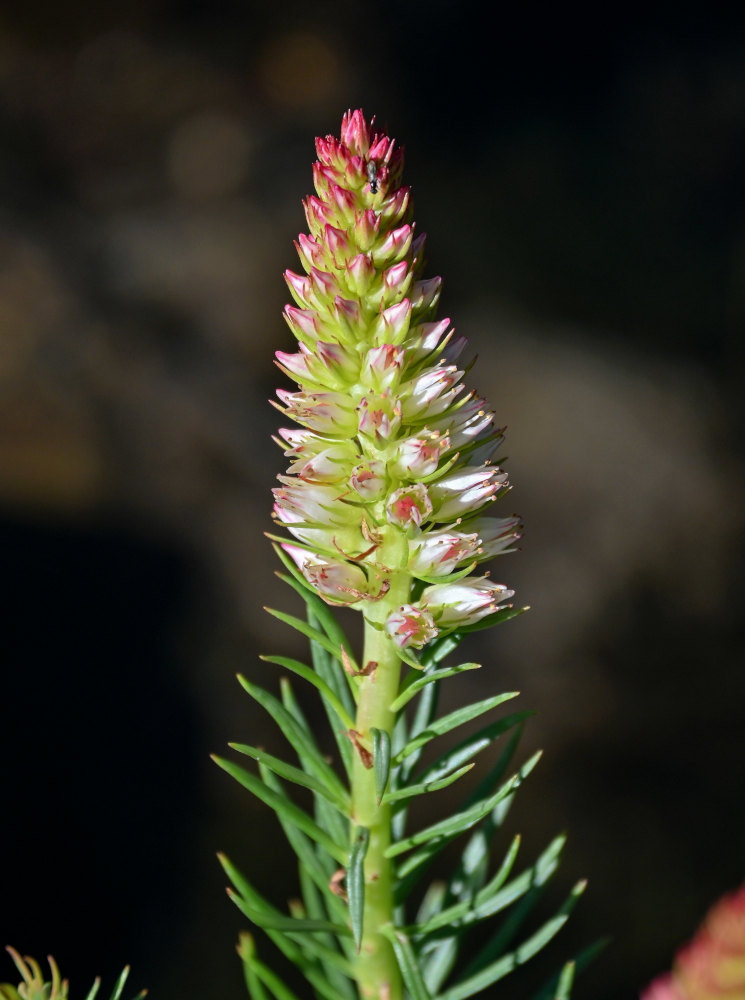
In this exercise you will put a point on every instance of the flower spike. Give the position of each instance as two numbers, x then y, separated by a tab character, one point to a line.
383	403
386	500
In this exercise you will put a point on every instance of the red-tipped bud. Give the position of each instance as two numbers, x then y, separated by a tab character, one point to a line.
409	506
410	626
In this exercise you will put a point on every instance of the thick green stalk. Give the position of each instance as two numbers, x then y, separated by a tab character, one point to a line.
377	972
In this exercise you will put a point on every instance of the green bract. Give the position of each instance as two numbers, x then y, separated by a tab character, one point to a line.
385	498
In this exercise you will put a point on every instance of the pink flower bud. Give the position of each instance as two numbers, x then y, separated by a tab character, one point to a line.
383	366
397	280
463	603
409	506
379	415
366	228
317	214
410	626
392	326
394	247
299	285
360	271
426	293
308	250
354	132
426	337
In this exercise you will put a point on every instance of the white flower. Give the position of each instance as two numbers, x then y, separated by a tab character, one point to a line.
337	580
419	456
466	490
410	626
437	553
465	602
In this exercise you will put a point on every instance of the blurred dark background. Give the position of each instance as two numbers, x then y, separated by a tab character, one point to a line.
581	176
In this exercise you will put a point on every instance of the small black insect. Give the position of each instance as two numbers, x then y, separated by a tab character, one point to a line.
372	176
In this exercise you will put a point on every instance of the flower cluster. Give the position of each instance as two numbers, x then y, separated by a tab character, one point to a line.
391	469
712	966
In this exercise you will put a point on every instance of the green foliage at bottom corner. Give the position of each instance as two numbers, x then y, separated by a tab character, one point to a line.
34	986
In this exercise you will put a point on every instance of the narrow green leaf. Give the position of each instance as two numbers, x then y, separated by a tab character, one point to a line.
284	807
452	721
13	994
580	963
291	949
292	705
329	670
423	716
493	898
439	649
314	947
414	683
279	922
451	825
330	820
472	869
431	902
471	746
291	773
381	760
438	957
271	980
356	881
310	675
425	786
508	963
540	939
247	891
407	963
322	611
297	735
410	657
566	980
247	951
317	862
309	632
438	965
411	870
338	975
120	983
450	577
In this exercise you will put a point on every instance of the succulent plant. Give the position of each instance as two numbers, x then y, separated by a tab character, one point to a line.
391	475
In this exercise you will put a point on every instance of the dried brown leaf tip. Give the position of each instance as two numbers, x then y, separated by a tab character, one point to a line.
335	884
367	671
365	756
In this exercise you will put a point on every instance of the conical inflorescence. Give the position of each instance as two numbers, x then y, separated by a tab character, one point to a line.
391	468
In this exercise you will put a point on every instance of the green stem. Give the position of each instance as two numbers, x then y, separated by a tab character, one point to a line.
377	973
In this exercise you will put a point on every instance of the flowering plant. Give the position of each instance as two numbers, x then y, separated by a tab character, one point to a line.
390	475
384	510
712	965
